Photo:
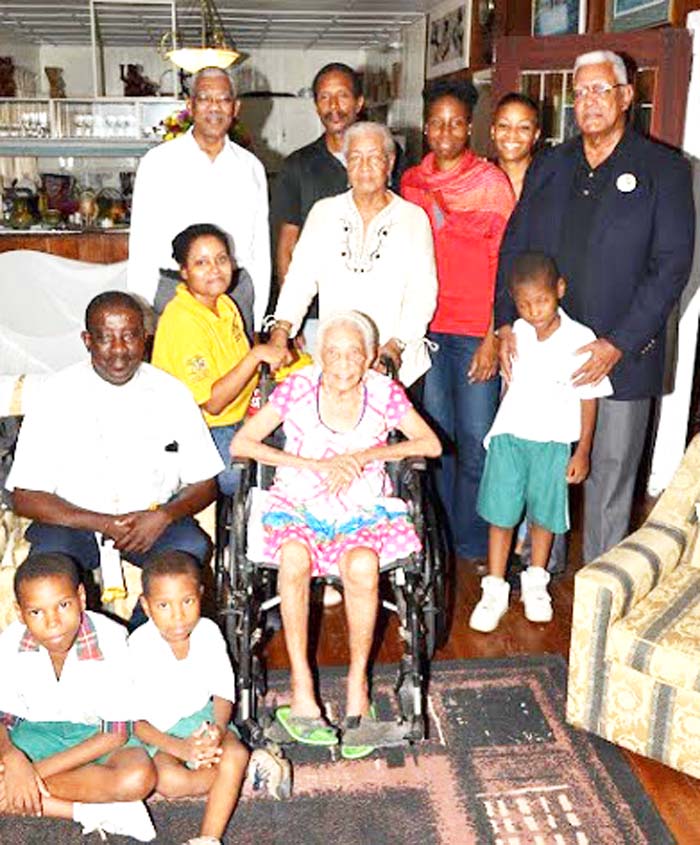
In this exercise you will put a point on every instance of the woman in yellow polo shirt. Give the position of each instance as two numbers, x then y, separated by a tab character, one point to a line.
201	340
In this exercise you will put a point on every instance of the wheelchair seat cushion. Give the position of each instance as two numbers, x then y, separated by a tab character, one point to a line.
383	526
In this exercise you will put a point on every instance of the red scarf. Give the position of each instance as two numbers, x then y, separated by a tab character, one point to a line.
473	185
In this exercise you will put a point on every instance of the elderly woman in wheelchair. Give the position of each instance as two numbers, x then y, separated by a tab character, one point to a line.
330	511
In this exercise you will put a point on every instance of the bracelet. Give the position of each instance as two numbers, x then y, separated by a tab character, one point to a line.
284	325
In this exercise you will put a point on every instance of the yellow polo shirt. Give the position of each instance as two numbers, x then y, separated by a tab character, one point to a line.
198	347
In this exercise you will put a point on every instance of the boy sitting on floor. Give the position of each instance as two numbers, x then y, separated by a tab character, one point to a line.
64	709
184	687
529	462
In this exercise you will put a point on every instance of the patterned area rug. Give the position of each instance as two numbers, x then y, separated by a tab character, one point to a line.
501	767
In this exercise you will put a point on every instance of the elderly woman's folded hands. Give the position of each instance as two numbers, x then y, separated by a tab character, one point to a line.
340	471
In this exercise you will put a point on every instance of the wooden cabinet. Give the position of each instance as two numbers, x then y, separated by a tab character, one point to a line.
95	247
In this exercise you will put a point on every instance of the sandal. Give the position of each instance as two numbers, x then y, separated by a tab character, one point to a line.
307	730
364	734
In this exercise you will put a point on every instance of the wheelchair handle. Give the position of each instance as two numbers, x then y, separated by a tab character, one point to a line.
388	363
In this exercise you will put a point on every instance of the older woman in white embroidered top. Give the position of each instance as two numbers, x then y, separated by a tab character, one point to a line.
366	250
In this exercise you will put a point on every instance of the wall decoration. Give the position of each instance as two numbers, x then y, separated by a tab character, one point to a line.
558	17
634	14
449	36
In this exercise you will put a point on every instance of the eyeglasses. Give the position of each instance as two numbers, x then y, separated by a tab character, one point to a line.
597	90
208	100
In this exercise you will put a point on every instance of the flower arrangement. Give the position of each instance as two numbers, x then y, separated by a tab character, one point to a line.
175	124
178	122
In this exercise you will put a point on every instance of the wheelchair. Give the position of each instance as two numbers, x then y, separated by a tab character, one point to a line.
415	589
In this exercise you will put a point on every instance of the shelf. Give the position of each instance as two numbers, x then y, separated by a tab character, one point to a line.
93	148
100	127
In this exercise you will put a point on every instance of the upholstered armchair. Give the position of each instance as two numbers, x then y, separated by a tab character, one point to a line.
634	665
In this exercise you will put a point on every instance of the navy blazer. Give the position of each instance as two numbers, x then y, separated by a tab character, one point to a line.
640	250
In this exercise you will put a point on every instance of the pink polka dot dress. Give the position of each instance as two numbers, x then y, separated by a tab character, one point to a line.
300	508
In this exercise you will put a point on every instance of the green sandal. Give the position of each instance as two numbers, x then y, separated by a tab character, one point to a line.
362	735
351	727
307	730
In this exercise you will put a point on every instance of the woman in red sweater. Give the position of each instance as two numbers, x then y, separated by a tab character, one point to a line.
468	201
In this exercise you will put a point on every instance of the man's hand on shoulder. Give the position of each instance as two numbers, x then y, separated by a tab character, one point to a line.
603	357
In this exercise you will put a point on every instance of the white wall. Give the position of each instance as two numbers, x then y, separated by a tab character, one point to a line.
288	71
409	106
675	408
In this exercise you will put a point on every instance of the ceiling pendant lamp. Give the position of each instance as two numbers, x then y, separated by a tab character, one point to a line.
215	50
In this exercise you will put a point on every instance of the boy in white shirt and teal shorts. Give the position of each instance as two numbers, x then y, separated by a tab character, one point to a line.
529	462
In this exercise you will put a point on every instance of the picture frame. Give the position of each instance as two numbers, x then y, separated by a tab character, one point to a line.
449	37
559	17
623	15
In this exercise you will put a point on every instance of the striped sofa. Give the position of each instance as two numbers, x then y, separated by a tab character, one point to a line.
634	663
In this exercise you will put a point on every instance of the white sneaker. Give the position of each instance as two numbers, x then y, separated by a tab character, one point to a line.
268	769
128	818
492	605
534	595
203	840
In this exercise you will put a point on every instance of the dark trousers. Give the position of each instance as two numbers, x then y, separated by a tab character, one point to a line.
462	414
185	535
618	442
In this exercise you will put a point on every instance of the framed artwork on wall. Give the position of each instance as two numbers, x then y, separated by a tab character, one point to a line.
558	17
634	14
449	37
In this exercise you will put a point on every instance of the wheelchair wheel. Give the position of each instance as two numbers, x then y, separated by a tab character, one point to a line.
434	602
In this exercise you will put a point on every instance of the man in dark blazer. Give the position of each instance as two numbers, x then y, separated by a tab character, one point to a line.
615	211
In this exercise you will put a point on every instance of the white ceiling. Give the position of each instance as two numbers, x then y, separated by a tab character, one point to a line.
250	23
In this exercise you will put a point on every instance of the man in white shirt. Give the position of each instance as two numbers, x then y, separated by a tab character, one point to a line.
201	177
114	451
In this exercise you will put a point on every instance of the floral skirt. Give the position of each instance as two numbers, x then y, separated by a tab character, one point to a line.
385	527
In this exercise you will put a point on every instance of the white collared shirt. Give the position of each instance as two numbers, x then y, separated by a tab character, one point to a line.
113	449
177	185
387	272
166	689
541	403
88	692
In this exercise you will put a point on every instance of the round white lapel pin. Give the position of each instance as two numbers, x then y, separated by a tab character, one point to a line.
626	182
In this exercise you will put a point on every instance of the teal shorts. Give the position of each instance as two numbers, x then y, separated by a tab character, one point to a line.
525	476
188	725
39	740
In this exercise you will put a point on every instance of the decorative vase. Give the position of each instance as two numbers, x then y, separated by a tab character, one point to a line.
57	85
8	86
21	216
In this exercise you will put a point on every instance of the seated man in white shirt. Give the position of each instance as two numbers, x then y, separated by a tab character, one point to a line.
65	711
202	177
114	453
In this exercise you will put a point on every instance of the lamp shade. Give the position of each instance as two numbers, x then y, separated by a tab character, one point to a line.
193	59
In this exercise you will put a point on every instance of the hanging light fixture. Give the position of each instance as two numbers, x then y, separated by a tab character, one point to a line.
216	48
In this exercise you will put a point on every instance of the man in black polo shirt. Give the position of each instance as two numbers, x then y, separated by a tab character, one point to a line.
615	211
318	169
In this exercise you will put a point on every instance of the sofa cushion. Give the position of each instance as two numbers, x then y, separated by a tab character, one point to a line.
660	637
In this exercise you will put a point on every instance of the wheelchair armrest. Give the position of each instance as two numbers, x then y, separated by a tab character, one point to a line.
405	475
246	466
